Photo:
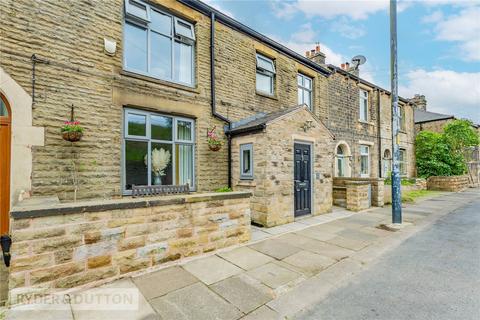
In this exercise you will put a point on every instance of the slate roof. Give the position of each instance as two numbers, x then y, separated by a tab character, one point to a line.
421	116
259	120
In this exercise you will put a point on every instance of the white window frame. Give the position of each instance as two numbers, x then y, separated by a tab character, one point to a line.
243	175
147	138
173	37
402	161
401	118
364	96
269	73
303	88
130	11
362	154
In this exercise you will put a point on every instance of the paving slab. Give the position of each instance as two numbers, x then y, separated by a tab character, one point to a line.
315	233
57	311
308	262
246	258
259	235
85	306
328	250
356	234
348	243
161	282
274	248
330	227
273	275
262	313
193	303
246	293
211	269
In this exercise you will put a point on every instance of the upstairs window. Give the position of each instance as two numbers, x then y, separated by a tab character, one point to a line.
402	118
364	161
246	161
402	161
304	90
158	44
265	75
363	105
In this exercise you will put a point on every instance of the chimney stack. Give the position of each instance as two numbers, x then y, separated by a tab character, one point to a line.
419	101
352	70
316	55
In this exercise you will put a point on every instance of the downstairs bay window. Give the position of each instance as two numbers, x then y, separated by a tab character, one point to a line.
158	150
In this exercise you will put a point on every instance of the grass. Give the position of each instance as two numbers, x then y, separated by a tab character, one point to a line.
224	189
403	181
411	196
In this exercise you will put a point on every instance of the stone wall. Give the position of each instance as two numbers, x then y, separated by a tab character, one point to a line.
453	183
420	184
69	246
272	186
341	192
357	195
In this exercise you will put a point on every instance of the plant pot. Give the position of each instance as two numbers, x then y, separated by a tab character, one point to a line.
72	136
215	147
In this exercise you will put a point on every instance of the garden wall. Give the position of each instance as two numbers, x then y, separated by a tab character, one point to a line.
70	245
453	183
352	193
419	184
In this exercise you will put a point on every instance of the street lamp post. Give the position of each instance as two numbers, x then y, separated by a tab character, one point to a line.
396	189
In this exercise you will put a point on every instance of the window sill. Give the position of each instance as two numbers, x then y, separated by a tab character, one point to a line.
131	74
266	95
402	131
246	183
366	122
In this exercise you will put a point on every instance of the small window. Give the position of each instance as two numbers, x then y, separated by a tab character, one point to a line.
137	10
246	161
364	161
265	75
363	105
185	29
304	90
340	162
402	118
402	161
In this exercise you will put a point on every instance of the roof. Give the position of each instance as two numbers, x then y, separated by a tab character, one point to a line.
421	116
234	24
260	120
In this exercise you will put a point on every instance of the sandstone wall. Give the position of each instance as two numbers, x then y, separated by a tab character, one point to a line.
453	183
69	246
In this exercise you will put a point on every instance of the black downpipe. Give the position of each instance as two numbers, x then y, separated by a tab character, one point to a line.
213	98
379	122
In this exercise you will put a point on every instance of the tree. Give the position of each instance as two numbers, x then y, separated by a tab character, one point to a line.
445	154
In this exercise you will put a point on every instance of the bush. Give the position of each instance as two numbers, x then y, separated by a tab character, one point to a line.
224	189
444	154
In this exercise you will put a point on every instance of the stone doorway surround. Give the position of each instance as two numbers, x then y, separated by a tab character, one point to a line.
272	137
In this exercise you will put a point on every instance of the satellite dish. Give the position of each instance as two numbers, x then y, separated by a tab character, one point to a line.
358	60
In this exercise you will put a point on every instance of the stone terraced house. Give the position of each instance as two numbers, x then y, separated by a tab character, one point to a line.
148	81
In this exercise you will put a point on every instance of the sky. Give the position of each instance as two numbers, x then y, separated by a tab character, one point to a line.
438	42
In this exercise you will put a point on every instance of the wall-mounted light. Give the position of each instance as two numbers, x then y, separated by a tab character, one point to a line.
110	46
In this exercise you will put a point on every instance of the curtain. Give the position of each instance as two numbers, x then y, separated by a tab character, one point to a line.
185	164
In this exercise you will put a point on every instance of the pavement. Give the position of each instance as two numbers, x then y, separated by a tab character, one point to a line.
435	274
282	273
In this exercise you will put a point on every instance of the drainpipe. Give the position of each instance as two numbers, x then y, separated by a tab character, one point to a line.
379	136
212	95
6	243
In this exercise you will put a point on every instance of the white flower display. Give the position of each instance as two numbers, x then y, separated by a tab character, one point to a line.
160	160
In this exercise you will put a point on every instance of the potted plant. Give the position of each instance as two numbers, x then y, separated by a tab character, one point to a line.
72	131
214	143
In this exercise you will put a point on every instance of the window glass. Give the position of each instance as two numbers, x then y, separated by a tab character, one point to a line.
161	56
308	82
300	96
184	130
264	83
265	64
161	164
184	171
363	105
402	162
161	127
300	80
304	90
340	166
364	160
149	161
136	47
246	161
137	9
161	23
136	166
183	63
402	118
184	29
137	125
3	109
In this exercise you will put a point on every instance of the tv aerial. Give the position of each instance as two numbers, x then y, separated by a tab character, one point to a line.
358	60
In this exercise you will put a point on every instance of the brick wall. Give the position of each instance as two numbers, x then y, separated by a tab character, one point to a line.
100	241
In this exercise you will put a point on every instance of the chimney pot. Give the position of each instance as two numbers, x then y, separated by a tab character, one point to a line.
307	54
312	52
317	48
342	66
347	65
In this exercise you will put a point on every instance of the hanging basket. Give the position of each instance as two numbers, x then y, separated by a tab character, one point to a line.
214	147
72	136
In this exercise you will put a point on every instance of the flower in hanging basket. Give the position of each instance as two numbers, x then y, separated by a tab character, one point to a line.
214	143
72	131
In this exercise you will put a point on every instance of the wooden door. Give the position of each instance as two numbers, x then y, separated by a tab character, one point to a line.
302	180
5	137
